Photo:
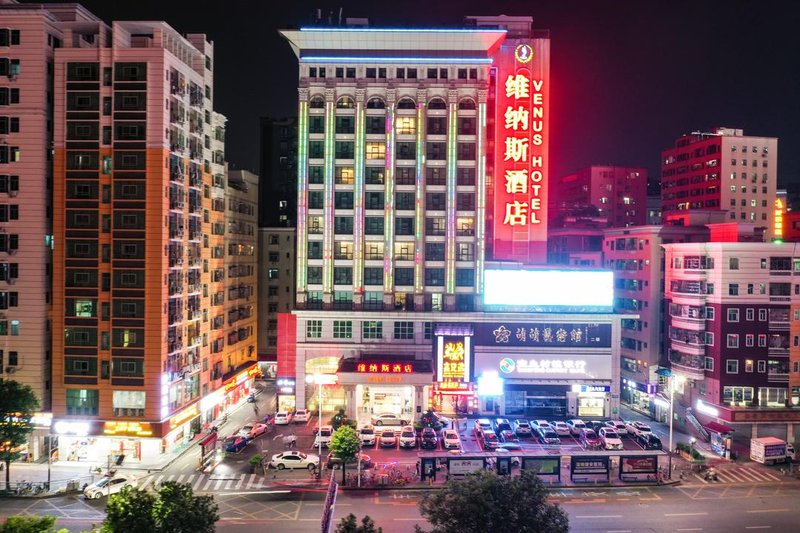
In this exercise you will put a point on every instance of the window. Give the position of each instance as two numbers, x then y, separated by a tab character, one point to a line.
404	226
749	340
314	276
372	329
82	402
732	340
465	251
709	313
709	364
762	341
434	277
465	277
733	315
749	288
762	366
373	276
314	329
733	289
373	225
762	315
434	251
733	263
403	330
465	202
731	366
404	276
342	329
750	314
739	396
343	275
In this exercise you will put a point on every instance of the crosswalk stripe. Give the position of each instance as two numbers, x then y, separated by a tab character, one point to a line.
229	484
158	480
143	484
180	478
219	484
767	476
189	479
732	475
197	484
250	481
752	474
208	484
260	484
241	480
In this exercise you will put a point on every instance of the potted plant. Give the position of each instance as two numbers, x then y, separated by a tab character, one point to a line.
255	462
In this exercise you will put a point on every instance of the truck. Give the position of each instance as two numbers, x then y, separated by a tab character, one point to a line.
768	450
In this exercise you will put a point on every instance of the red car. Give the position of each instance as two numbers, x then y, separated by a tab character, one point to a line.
590	439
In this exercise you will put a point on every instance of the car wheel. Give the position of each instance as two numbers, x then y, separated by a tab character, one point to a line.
335	466
379	423
281	466
312	466
97	495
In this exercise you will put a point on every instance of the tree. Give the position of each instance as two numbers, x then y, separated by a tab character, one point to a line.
345	443
488	502
30	524
349	525
18	402
174	509
340	419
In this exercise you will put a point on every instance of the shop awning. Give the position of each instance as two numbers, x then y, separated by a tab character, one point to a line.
208	439
455	330
715	427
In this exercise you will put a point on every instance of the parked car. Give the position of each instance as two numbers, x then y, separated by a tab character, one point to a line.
283	417
428	439
235	444
610	438
619	426
576	425
481	425
301	415
387	439
502	424
522	428
251	431
450	440
294	459
388	419
648	441
489	440
443	421
589	438
324	436
367	435
548	436
561	428
540	424
335	463
408	437
636	427
111	483
595	425
507	435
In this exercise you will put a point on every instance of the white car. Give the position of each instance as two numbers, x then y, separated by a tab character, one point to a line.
301	415
610	439
294	459
251	431
109	484
282	418
324	436
367	435
576	425
450	440
541	424
387	439
408	437
637	428
482	424
618	426
561	428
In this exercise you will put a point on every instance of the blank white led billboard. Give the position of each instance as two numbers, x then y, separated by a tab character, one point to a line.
549	288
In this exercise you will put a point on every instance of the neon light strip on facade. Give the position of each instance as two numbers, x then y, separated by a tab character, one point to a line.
480	223
450	252
402	30
358	193
388	229
365	59
302	197
327	251
419	221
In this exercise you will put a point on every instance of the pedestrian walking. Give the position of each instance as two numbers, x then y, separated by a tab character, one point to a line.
255	408
416	469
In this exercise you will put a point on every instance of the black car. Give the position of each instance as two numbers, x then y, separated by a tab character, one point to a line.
428	439
648	441
595	425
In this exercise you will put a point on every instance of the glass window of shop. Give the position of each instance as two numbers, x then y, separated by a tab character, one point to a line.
591	405
333	396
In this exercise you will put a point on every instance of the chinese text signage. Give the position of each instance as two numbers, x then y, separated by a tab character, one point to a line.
586	335
384	368
521	141
550	366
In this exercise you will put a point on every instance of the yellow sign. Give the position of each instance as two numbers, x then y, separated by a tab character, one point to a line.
453	362
187	414
138	429
523	53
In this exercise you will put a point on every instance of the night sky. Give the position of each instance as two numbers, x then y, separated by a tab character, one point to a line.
627	77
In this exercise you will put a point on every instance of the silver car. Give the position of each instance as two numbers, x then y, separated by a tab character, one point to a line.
388	419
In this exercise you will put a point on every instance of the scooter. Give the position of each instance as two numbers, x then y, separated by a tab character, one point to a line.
710	475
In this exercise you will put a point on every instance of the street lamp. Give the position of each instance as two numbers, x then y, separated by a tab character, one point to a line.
672	380
691	442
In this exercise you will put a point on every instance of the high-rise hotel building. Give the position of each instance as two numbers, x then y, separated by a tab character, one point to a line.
422	168
144	351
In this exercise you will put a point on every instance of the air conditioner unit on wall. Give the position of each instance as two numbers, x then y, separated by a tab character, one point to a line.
11	369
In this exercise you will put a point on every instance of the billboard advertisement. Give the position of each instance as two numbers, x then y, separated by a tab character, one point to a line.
543	466
521	150
550	366
549	288
453	358
639	465
543	334
462	467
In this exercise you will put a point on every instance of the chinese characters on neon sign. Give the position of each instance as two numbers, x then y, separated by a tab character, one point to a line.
521	149
453	360
385	368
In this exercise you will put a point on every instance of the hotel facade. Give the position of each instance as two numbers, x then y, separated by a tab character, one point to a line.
422	176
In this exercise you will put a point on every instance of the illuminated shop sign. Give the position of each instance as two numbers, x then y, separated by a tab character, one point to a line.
63	427
521	140
585	335
591	388
453	358
549	366
385	368
571	290
136	429
184	416
777	228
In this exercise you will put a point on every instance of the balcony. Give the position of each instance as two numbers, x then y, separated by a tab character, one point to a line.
692	366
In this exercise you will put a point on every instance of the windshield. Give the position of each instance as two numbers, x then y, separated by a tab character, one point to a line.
550	435
408	434
387	434
325	432
522	424
102	483
590	434
450	435
579	425
367	432
643	427
611	435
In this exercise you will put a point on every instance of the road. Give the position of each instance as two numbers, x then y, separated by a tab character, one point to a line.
696	507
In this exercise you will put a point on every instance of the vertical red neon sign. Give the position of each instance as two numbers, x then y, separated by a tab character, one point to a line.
521	151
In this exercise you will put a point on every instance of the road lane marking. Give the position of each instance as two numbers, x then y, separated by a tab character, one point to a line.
769	511
250	482
685	514
758	527
690	529
219	484
247	493
599	516
197	484
241	480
